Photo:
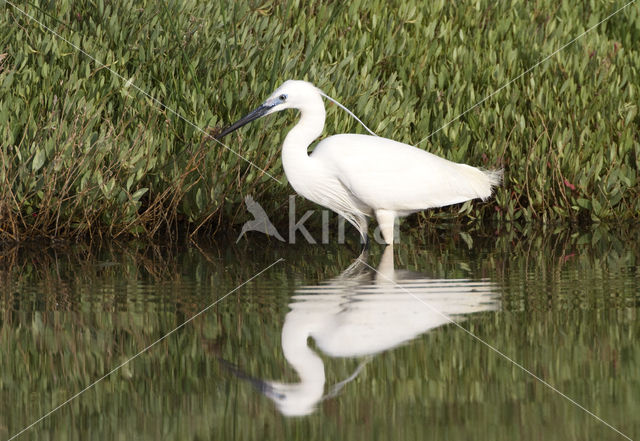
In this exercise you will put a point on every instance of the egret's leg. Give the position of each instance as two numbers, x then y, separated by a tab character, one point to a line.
386	220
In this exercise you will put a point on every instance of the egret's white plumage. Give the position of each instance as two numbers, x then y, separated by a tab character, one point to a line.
359	314
362	175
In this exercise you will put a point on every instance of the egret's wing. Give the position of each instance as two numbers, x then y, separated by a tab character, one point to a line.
391	175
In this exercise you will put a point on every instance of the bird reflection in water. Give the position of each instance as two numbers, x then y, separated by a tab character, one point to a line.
361	313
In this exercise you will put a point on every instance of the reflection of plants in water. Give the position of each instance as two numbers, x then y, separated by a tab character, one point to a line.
568	269
68	316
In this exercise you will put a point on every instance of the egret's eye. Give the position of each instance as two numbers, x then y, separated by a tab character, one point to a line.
283	97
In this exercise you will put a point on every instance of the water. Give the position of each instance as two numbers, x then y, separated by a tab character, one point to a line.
322	346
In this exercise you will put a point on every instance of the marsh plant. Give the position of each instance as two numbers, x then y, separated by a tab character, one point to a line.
84	152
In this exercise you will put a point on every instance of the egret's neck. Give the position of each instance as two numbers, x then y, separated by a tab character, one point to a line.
299	398
295	159
295	332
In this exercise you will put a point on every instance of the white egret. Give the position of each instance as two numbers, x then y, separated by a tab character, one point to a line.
361	175
359	314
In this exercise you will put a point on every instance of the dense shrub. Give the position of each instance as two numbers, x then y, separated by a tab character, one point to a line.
85	152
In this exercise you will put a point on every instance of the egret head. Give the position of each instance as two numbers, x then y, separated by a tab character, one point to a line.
293	94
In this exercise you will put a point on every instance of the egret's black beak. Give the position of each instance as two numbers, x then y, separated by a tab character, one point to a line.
259	384
260	111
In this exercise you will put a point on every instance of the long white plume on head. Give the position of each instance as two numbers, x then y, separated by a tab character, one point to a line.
348	111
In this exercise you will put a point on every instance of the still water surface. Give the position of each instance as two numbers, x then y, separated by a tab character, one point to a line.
323	345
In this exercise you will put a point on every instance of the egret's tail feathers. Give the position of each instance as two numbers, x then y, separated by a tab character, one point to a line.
480	183
493	178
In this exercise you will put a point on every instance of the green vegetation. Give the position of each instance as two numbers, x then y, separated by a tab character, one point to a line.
85	153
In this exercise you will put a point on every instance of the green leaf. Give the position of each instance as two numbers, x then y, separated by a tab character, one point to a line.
38	160
138	194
